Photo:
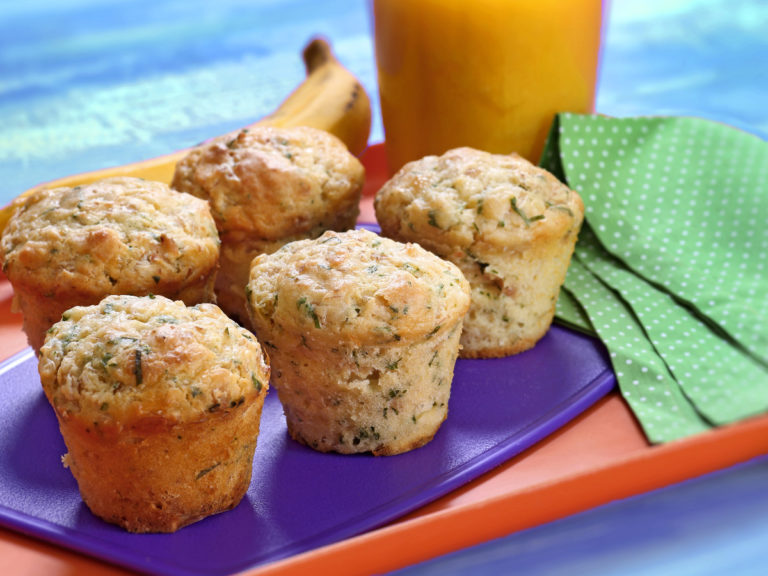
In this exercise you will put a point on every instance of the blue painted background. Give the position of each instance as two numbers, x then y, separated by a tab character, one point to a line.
87	84
91	84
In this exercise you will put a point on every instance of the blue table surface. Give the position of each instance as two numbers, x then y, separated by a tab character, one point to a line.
87	84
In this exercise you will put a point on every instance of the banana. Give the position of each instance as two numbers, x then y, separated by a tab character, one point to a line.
329	98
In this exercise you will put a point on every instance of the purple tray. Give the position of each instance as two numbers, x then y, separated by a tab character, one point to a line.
300	499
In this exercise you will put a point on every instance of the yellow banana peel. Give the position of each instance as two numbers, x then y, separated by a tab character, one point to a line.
329	98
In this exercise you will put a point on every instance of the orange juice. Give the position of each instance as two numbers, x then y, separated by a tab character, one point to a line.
490	74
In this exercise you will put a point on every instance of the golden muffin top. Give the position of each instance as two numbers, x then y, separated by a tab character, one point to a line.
468	196
355	287
274	182
149	361
118	235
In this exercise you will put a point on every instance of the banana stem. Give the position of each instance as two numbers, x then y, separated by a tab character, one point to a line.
317	53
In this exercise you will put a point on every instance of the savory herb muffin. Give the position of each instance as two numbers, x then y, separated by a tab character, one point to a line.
268	186
159	405
508	225
363	334
68	247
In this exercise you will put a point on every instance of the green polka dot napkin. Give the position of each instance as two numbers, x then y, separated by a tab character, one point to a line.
645	380
670	270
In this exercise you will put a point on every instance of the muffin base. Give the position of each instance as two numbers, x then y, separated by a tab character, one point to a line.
513	296
355	399
157	477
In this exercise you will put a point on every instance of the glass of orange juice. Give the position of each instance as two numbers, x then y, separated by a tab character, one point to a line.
490	74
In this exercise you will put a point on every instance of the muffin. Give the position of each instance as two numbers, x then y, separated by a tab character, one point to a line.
68	247
508	225
363	334
269	186
159	405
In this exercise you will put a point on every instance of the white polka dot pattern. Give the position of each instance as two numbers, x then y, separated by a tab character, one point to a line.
671	265
704	365
684	203
664	413
570	313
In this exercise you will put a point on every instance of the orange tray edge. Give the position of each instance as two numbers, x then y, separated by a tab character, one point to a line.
428	536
